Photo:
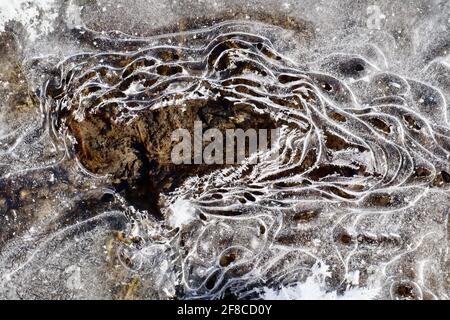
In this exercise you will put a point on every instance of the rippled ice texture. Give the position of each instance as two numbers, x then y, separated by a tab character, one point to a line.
355	207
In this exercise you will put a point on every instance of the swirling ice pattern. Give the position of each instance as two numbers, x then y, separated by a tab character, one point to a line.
360	184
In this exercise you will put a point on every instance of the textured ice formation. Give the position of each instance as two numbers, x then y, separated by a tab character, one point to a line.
355	206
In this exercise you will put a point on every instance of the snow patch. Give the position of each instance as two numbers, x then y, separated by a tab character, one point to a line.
314	288
36	16
181	213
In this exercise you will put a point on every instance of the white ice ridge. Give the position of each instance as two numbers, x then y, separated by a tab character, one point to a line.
359	162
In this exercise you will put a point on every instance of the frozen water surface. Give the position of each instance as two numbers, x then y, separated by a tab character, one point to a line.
355	206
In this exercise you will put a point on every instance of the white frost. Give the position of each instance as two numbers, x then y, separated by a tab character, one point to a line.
134	88
36	16
181	213
314	289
